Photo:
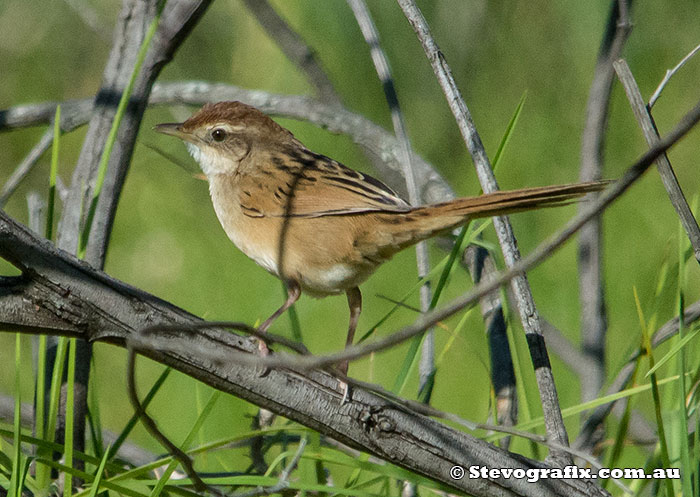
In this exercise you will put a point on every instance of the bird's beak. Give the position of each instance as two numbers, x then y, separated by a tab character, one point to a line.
174	129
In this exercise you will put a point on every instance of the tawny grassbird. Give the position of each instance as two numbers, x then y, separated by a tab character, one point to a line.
319	226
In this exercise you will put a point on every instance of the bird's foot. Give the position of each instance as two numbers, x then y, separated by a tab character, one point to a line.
263	351
347	393
343	385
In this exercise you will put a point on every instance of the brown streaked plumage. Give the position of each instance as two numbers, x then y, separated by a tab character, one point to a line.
319	226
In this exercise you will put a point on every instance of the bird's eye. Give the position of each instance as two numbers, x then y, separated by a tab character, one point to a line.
218	134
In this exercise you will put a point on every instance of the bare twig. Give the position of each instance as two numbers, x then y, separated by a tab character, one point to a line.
36	207
295	48
562	347
25	167
76	114
177	20
651	134
594	323
383	69
669	74
554	424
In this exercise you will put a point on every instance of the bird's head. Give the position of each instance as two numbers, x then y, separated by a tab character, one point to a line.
220	136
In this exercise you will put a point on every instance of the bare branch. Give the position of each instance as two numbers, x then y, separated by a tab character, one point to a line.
669	74
651	134
25	167
175	23
136	16
594	323
295	48
554	424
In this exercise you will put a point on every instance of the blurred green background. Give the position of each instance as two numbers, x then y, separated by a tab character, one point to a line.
167	240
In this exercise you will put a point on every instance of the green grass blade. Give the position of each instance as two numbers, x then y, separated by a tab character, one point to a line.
433	272
313	470
457	249
585	406
70	416
267	481
42	476
98	476
509	131
648	350
279	460
93	413
54	172
54	394
682	428
25	482
75	473
15	483
453	336
50	447
677	347
621	435
411	357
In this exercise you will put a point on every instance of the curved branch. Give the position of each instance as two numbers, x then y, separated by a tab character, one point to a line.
379	143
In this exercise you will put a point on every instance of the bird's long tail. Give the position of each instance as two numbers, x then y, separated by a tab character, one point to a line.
426	221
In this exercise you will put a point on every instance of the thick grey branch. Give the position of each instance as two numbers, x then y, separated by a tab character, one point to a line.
70	298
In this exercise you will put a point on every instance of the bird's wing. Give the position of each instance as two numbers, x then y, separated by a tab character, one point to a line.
312	185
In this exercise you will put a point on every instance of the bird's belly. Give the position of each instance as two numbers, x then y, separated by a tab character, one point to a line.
333	279
316	275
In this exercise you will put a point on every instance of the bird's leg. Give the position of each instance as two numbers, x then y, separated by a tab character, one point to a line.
355	304
293	294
